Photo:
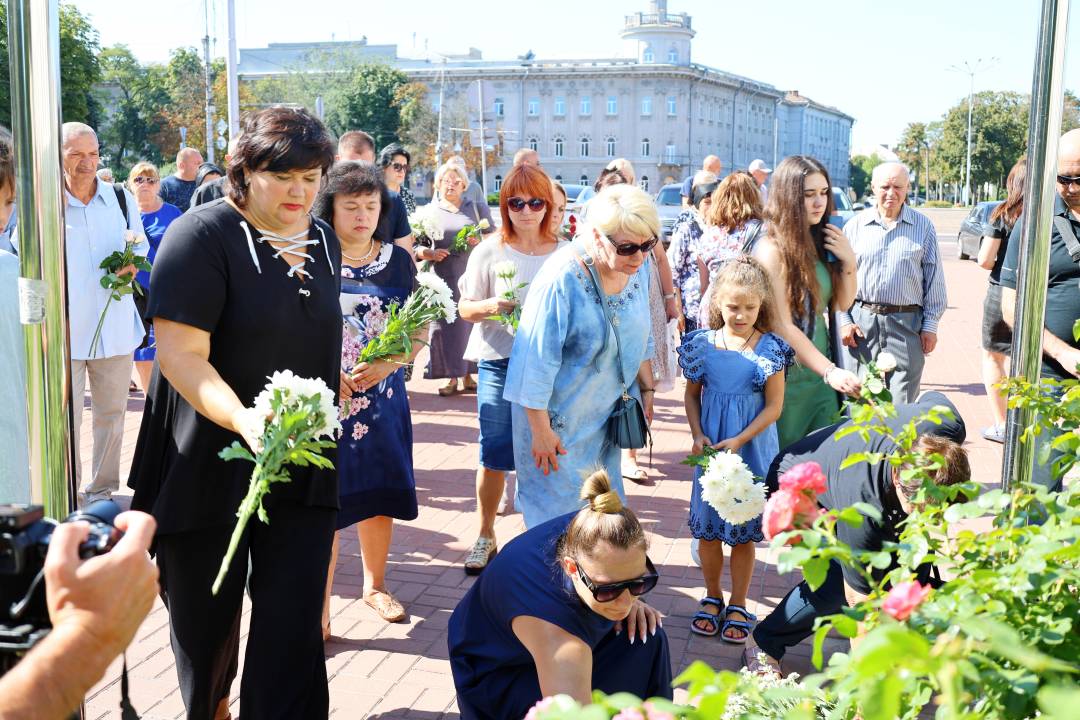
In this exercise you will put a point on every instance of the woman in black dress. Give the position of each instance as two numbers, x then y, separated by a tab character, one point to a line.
243	288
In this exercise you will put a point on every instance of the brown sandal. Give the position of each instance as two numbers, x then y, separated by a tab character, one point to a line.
449	389
386	605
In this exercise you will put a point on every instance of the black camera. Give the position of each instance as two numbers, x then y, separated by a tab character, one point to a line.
25	533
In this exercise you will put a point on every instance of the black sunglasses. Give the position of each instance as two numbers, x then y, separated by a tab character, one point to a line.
628	249
144	180
399	167
518	204
610	591
1069	179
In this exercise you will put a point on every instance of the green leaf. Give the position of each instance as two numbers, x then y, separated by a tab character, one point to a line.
846	626
814	571
236	451
1059	702
881	698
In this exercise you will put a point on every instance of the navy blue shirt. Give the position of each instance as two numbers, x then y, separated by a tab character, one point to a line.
177	192
525	578
394	224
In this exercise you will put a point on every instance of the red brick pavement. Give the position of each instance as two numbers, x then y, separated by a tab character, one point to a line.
401	671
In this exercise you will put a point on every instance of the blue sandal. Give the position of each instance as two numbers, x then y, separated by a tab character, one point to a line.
744	625
709	617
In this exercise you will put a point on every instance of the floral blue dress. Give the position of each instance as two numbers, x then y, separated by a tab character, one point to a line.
561	364
733	394
686	233
375	464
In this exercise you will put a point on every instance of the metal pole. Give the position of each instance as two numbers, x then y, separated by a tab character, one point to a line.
483	137
438	131
230	72
209	98
967	173
34	42
1047	107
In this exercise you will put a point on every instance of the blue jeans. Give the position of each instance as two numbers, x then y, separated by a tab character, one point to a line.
496	427
793	619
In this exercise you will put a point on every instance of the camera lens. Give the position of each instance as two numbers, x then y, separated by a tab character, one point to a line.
99	511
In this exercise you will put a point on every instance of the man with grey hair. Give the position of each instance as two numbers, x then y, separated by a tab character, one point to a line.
901	285
180	186
96	226
527	156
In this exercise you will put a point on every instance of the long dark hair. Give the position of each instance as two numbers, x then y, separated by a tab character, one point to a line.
1009	211
799	244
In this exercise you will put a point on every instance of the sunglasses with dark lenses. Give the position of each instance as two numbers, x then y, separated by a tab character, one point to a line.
399	167
610	591
144	180
628	249
518	204
1069	179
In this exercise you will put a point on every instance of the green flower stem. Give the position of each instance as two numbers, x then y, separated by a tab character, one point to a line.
251	501
97	331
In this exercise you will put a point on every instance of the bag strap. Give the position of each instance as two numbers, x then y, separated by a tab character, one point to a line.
1065	229
121	197
748	244
607	314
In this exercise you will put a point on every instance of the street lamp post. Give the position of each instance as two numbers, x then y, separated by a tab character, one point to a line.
970	69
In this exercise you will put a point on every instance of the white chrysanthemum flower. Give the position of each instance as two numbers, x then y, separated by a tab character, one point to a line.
483	224
728	486
886	362
293	389
425	221
439	292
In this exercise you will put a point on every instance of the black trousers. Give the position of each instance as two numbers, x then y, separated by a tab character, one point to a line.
285	665
792	621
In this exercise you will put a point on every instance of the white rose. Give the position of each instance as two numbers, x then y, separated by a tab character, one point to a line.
886	362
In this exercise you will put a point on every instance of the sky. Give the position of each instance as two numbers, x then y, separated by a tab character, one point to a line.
884	63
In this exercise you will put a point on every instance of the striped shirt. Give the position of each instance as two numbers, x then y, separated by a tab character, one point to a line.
901	266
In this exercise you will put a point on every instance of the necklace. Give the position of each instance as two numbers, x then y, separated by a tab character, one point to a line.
363	258
723	339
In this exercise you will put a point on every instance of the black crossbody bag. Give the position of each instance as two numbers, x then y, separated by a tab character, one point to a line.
626	428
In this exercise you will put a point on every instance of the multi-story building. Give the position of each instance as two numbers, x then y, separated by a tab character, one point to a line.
654	107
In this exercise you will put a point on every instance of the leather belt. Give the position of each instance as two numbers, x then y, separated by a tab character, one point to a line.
884	309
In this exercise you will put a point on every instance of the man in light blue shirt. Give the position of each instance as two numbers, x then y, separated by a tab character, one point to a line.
14	448
97	227
901	284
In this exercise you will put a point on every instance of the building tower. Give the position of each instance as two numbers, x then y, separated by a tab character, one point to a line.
657	36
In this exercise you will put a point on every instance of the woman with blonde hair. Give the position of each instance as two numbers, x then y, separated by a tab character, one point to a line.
565	374
144	182
548	615
448	340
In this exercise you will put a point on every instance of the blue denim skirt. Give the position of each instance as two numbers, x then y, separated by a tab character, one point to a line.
496	428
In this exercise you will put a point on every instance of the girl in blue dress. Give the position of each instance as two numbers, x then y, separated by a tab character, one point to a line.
374	462
734	394
547	616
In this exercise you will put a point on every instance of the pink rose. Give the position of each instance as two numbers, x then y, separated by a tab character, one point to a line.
804	476
903	598
629	714
653	714
788	510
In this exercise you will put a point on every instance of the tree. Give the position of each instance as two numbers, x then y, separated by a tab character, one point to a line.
999	136
79	68
134	97
862	167
913	150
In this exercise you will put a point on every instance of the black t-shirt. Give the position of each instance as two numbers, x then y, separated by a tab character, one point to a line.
260	320
177	192
1063	288
394	224
863	482
209	192
1000	230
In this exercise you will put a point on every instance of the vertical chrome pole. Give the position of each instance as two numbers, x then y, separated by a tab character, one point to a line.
1044	128
230	70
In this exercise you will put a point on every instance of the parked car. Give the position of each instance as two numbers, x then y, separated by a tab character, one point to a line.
576	196
844	210
669	205
972	229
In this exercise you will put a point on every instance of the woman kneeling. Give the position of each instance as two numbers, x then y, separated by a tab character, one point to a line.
558	611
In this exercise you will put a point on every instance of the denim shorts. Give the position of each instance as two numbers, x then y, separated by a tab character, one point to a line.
496	428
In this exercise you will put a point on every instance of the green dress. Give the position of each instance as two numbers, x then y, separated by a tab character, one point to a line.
808	402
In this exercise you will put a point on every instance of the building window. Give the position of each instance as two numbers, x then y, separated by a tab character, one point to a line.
586	105
557	147
701	110
645	183
534	107
673	56
498	183
647	56
672	107
560	106
584	147
645	147
646	105
669	153
612	105
534	144
584	179
500	107
609	147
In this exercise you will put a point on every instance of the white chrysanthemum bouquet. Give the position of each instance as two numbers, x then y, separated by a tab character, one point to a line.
431	301
299	413
425	224
506	272
728	486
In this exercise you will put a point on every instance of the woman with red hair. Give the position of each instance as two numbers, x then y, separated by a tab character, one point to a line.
527	238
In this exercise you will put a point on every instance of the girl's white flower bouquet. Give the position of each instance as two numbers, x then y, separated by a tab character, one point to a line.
728	486
506	271
299	413
432	300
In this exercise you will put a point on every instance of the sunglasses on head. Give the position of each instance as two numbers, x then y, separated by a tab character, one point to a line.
628	249
144	180
518	204
610	591
1069	179
400	167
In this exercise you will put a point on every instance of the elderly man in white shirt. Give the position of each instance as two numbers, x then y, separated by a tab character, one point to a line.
96	227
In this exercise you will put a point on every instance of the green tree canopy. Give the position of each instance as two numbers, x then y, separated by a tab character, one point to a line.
862	166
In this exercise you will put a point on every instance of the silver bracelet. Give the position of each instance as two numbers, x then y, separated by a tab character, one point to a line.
825	375
669	296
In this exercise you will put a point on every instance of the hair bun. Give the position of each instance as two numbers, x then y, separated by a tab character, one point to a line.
606	503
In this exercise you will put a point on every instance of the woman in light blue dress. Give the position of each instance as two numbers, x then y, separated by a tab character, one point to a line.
563	378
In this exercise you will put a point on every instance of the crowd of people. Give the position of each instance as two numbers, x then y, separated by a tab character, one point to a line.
291	256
